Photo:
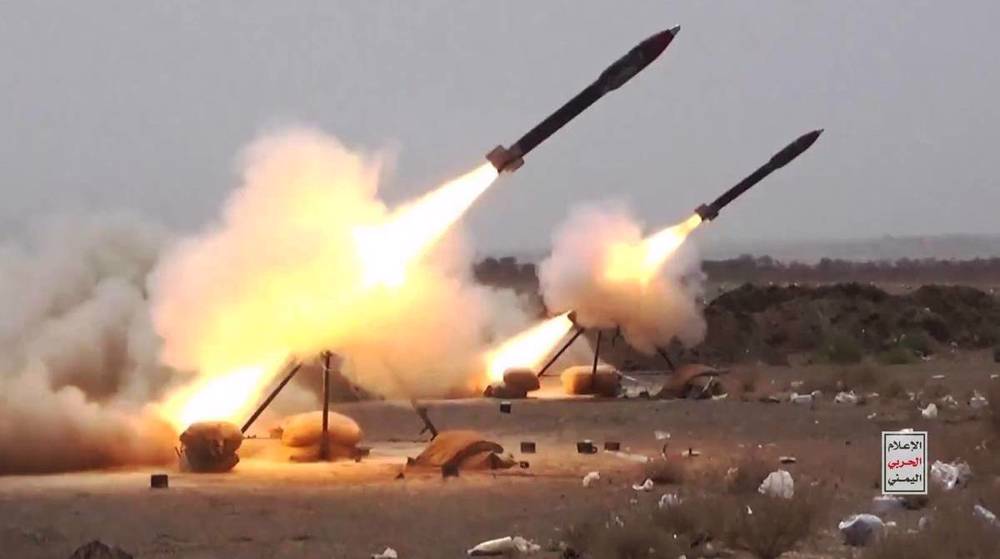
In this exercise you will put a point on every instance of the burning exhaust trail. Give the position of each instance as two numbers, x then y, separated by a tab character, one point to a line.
527	348
388	248
307	258
610	276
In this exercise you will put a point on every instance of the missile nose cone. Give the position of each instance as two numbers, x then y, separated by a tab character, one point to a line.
655	45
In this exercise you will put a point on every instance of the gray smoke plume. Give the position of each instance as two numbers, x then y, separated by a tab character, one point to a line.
78	356
575	277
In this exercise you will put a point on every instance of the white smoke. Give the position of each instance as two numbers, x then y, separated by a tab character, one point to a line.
280	274
574	277
77	351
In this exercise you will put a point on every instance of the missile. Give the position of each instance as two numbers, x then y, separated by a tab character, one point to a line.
625	68
709	212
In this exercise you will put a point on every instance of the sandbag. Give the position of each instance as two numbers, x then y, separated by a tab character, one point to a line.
464	449
505	391
210	446
582	380
305	429
523	379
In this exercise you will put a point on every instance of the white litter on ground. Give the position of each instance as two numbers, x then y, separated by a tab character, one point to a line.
591	478
778	483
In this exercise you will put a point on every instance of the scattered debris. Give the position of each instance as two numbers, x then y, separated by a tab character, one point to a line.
778	483
210	446
644	486
661	435
930	412
950	476
638	458
948	401
978	401
669	500
787	459
505	546
849	398
389	553
99	550
860	530
986	514
591	478
802	399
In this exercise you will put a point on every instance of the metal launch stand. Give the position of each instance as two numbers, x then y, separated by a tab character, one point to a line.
324	445
324	442
597	351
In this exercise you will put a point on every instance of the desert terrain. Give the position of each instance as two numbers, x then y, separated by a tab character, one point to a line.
270	508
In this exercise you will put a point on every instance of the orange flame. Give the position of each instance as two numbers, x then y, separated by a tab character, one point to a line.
388	248
384	250
641	262
528	348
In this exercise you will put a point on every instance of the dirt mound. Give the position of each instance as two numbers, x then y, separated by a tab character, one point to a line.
841	323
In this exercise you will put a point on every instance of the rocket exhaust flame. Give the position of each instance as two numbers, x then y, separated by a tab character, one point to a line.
365	272
388	248
641	262
528	348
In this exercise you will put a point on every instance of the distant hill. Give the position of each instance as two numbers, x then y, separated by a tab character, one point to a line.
888	248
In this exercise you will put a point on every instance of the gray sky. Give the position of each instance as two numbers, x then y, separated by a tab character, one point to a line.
145	105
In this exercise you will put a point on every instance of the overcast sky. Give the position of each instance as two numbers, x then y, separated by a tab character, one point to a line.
145	105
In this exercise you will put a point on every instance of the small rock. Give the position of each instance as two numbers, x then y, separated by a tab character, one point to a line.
872	415
787	459
930	412
778	483
923	523
937	377
389	553
949	401
661	435
591	478
860	530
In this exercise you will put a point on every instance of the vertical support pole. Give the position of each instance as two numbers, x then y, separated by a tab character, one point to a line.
324	442
597	353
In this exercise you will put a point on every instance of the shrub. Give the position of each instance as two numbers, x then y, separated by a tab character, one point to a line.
840	349
769	526
750	472
897	355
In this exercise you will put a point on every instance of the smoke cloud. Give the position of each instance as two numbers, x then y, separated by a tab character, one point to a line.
281	273
77	351
575	277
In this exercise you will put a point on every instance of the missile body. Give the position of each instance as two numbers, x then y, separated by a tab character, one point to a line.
708	212
625	68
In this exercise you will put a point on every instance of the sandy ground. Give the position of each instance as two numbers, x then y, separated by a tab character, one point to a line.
345	510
